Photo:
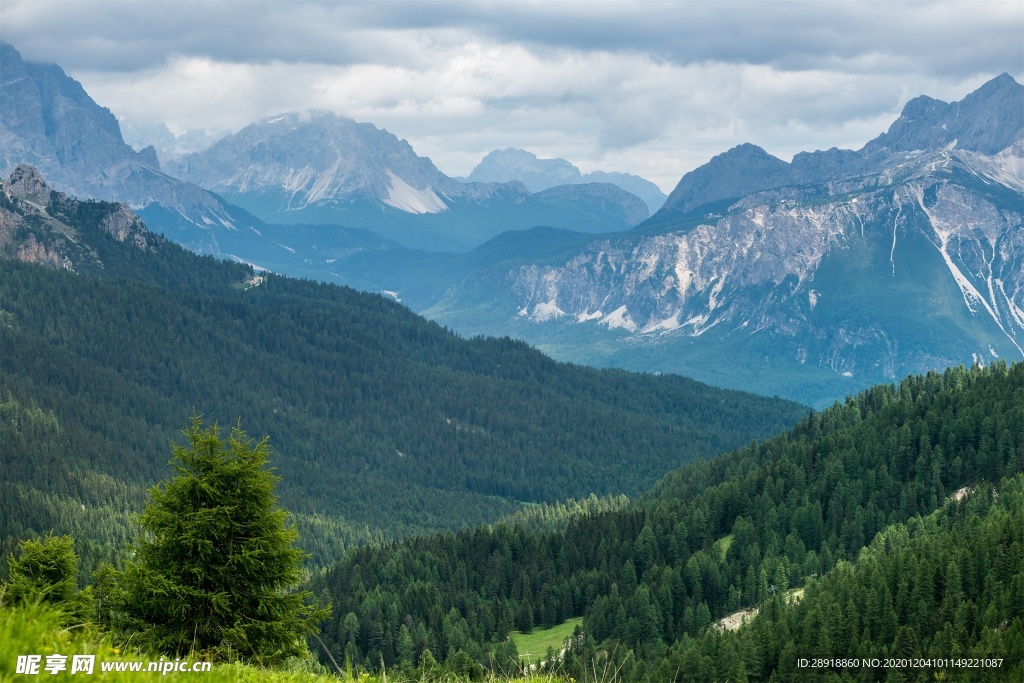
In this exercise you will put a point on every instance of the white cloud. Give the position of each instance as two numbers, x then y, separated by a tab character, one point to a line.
653	89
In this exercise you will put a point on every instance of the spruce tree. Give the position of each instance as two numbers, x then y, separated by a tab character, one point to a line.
216	566
47	570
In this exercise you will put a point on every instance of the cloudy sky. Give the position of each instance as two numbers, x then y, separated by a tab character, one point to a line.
652	88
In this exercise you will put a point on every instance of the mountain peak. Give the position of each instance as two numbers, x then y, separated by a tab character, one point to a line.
506	165
1004	82
519	165
740	171
27	183
988	120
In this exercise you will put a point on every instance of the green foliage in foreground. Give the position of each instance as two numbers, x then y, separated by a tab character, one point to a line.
216	568
47	570
38	629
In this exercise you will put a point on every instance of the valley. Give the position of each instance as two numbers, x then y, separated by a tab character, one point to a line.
289	402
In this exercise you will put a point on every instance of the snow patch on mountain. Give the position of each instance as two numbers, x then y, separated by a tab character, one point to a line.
1005	168
546	311
619	319
405	197
953	217
667	325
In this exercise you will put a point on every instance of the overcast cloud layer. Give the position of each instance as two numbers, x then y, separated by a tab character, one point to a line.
649	88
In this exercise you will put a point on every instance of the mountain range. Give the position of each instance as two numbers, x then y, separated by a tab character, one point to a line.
320	168
277	171
811	278
511	165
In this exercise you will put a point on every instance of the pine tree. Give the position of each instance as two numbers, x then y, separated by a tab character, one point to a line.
46	570
216	567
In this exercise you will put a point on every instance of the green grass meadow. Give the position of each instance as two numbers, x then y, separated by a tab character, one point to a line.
533	646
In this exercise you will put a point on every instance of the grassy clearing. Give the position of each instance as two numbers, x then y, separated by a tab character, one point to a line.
533	646
723	544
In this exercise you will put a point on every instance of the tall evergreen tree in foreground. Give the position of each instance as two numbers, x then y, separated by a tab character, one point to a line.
215	568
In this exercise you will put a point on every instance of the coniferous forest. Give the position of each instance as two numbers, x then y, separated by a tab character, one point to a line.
854	508
444	495
384	423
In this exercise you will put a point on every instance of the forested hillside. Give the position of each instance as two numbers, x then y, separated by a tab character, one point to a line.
715	537
382	423
946	590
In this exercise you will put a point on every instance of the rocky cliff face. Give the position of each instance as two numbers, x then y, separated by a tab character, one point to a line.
48	120
41	225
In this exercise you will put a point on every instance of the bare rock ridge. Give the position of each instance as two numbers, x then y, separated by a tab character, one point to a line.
41	225
986	121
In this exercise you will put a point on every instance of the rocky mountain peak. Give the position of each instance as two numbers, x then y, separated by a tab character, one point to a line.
148	156
742	170
988	120
309	157
27	183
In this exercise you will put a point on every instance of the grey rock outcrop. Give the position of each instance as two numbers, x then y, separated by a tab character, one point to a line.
40	225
